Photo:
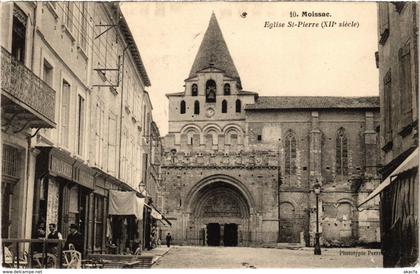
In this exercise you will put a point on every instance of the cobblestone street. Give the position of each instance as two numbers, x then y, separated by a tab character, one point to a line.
247	257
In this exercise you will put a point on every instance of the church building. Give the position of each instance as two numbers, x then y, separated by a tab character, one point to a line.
239	169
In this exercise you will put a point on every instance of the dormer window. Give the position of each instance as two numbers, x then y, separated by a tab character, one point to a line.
226	89
211	91
194	90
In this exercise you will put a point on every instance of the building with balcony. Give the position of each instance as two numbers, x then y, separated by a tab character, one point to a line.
76	120
397	59
27	104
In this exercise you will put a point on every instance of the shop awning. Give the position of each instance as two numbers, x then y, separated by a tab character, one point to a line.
125	203
410	162
157	215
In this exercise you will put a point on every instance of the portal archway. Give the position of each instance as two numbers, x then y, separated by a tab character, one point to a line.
220	209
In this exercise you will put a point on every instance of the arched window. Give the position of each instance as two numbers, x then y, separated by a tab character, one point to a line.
290	154
238	105
226	89
210	91
194	90
196	107
182	107
224	106
341	166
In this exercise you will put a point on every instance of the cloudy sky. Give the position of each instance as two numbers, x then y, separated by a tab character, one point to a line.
279	61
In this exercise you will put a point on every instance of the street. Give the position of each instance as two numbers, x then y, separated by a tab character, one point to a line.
248	257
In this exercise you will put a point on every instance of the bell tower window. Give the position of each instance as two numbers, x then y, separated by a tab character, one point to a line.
238	106
196	107
224	106
210	91
226	89
194	90
182	110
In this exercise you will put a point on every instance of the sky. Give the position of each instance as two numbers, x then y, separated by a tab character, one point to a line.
283	61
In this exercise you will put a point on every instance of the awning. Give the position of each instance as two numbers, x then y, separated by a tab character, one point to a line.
157	215
125	203
412	161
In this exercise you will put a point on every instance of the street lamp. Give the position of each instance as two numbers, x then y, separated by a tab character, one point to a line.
317	191
279	182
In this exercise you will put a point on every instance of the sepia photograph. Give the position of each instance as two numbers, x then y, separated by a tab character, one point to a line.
209	135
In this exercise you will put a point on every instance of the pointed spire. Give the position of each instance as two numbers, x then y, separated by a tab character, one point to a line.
213	52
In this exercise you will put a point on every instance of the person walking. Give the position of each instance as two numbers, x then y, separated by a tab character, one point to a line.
53	235
74	238
168	240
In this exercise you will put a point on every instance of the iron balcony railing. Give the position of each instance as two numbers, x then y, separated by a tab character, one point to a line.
21	84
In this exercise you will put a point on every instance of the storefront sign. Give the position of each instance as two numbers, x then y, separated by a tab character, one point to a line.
61	168
86	179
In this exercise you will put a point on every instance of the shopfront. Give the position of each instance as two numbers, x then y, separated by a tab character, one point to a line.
63	187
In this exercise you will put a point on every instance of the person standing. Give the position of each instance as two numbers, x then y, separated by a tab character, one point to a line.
53	235
74	238
168	240
40	235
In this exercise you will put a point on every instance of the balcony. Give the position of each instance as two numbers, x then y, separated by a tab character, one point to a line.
26	100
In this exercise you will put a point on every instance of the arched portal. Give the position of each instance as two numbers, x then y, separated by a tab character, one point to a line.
220	212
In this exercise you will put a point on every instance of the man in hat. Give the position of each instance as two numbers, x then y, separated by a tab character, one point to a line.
74	238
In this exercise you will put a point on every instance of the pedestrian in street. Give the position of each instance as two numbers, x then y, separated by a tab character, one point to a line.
53	235
74	238
168	240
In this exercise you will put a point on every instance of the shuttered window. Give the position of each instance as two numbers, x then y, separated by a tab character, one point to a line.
65	113
405	85
112	142
387	109
10	162
80	125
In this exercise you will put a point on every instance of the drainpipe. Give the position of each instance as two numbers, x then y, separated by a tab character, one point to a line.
33	35
26	182
29	138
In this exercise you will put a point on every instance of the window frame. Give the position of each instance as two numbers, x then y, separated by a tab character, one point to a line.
196	107
65	114
238	106
226	89
194	90
224	106
342	146
183	107
290	155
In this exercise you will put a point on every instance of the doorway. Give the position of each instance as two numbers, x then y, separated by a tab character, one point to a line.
213	234
230	237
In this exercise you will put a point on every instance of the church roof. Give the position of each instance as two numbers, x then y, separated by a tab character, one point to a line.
213	52
182	93
313	102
